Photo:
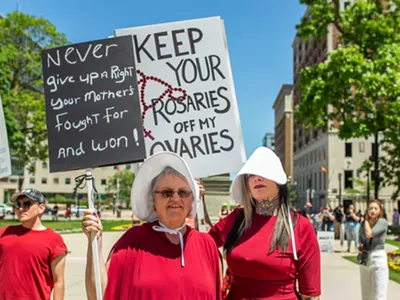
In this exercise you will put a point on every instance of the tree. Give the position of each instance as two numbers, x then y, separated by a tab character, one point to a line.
360	188
358	86
125	180
22	38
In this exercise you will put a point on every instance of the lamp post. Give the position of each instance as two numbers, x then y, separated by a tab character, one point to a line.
376	163
340	187
368	184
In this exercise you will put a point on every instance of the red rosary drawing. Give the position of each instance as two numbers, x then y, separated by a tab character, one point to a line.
169	91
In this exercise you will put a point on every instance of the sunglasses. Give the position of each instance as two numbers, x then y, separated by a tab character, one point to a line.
25	204
171	193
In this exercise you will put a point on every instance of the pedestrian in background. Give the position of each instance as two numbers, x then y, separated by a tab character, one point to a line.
352	227
395	219
375	273
224	211
327	219
339	223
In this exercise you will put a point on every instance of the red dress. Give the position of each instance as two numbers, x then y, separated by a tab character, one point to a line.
259	275
146	265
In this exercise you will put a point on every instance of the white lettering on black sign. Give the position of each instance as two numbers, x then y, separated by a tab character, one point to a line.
92	105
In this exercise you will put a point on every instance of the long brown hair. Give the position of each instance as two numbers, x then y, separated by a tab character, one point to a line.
380	204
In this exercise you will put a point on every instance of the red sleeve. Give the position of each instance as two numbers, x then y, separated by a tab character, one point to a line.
309	263
219	232
58	246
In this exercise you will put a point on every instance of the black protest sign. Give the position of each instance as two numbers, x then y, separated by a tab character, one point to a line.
92	105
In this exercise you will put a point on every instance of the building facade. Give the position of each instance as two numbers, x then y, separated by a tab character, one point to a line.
61	183
324	165
269	140
283	107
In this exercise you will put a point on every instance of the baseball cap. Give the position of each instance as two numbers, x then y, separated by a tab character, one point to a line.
32	194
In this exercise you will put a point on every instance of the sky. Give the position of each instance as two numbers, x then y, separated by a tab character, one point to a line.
259	33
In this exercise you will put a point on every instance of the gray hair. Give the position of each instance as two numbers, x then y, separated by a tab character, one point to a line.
168	171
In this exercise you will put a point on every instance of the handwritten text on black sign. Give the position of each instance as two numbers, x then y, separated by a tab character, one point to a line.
92	105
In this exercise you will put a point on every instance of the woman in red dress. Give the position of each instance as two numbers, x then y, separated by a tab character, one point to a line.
164	258
268	248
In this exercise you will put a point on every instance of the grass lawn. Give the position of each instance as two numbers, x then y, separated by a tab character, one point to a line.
393	275
72	226
394	243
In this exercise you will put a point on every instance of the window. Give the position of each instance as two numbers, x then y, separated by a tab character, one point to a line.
361	147
44	165
103	182
315	187
56	180
33	164
348	179
67	180
346	4
320	180
128	167
348	150
32	180
44	180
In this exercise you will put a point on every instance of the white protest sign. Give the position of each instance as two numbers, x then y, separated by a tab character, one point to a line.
326	241
187	95
5	161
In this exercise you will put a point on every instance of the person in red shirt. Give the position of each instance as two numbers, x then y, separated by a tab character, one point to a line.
32	257
268	248
163	258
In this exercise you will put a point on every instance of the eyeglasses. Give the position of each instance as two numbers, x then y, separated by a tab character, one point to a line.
25	204
171	193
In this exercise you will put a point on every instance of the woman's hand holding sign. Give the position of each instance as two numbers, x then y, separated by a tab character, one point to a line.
91	223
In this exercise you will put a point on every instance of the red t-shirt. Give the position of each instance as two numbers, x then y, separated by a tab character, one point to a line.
259	275
25	262
146	265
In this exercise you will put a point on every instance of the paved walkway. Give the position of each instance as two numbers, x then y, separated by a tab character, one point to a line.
340	278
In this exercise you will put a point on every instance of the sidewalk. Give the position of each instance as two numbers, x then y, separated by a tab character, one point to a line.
340	277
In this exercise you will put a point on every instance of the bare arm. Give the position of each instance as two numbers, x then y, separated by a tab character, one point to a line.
90	224
303	297
368	231
58	271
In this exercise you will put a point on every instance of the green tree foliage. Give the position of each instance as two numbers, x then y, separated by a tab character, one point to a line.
22	38
125	178
358	85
